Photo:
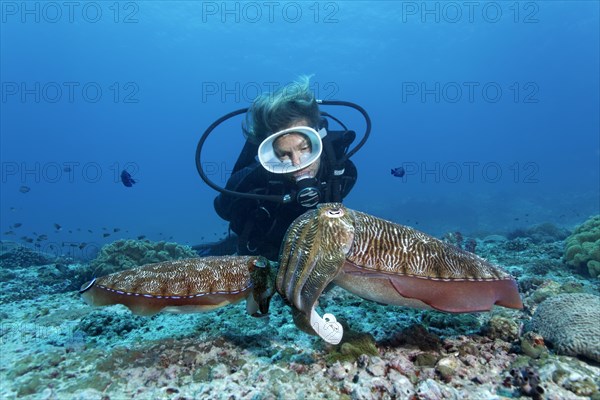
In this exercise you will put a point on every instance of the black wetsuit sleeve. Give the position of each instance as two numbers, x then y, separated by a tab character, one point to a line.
224	204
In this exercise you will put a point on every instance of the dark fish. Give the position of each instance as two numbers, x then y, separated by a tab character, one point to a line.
141	237
9	233
105	234
116	229
17	224
28	240
90	231
24	189
82	245
42	237
127	179
13	209
57	227
398	172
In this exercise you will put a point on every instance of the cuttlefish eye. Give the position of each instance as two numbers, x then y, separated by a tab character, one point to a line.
335	213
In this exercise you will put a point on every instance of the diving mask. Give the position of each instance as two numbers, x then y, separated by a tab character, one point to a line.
272	163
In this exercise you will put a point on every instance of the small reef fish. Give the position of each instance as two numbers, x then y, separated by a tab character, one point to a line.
127	179
398	172
24	189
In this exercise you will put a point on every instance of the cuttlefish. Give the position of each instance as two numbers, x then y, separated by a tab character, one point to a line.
187	286
373	258
381	261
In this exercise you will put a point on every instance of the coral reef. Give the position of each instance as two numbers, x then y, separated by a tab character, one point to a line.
352	347
527	380
582	248
415	335
20	283
518	244
56	346
108	323
470	245
126	254
533	345
444	324
22	257
500	327
457	239
570	323
542	233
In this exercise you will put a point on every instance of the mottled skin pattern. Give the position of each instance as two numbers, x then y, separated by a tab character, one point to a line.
387	247
188	285
383	261
182	278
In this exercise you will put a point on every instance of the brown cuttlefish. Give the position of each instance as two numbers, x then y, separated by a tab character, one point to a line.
187	286
381	261
373	258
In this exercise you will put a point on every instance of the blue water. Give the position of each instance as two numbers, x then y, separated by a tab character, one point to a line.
492	108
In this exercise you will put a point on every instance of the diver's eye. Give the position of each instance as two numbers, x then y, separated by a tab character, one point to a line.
335	213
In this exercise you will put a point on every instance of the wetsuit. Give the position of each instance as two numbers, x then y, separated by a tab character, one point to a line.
261	225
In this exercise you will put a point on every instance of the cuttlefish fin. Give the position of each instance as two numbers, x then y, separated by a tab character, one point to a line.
450	295
459	296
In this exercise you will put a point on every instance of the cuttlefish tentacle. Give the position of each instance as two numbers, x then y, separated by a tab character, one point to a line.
385	262
188	285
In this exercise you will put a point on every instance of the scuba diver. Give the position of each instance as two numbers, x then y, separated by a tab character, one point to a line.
291	162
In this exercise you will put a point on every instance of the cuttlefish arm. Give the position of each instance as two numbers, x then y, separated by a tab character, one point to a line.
186	286
313	254
395	264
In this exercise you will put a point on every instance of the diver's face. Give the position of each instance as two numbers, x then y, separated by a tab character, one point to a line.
296	147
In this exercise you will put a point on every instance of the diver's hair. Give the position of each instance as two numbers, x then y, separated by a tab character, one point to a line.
272	112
